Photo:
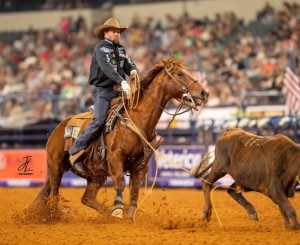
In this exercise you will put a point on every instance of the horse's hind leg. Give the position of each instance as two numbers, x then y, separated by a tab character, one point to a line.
90	194
207	183
242	201
135	181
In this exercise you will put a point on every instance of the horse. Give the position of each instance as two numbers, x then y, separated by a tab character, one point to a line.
125	147
266	164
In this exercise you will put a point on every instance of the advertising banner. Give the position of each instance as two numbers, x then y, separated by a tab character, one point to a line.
28	167
170	162
22	167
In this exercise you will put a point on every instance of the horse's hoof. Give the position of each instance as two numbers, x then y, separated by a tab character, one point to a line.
131	212
118	213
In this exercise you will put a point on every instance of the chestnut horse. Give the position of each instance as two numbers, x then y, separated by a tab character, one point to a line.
125	149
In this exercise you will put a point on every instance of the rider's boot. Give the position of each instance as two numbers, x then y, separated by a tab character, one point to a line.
78	166
76	162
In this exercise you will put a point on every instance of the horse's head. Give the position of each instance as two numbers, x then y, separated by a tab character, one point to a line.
183	85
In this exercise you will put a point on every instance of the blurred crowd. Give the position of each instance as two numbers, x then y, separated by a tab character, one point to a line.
235	57
37	5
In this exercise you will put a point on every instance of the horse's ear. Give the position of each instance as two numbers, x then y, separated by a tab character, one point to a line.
164	61
168	63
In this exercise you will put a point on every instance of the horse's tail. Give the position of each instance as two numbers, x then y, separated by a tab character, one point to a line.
202	169
42	199
55	158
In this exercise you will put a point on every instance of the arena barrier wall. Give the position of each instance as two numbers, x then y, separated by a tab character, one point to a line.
28	167
174	162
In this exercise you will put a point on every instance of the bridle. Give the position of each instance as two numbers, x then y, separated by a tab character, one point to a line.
184	87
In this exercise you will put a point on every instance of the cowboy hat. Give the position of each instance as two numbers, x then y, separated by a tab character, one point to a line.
110	23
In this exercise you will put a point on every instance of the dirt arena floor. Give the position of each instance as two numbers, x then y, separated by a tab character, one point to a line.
167	216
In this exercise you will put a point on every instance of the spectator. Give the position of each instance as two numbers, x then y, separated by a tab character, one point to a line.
236	60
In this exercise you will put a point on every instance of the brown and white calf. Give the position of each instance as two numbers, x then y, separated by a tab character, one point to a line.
269	165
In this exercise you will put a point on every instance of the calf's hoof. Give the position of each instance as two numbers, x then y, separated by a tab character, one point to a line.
294	227
253	217
118	213
205	217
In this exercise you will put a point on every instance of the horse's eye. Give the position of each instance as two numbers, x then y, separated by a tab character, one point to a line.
179	74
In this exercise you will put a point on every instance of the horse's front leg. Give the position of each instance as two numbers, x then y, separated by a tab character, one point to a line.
135	181
115	164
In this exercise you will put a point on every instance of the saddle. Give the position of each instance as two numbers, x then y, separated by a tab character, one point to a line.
79	123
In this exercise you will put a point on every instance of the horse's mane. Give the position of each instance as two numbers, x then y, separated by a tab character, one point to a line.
151	74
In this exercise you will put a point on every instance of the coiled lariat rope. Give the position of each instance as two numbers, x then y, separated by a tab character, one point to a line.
135	87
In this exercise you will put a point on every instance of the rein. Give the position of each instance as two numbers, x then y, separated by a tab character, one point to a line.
133	104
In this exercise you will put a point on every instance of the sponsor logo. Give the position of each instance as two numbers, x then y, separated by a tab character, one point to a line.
24	168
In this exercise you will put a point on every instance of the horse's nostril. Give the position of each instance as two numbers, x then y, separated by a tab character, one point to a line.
203	94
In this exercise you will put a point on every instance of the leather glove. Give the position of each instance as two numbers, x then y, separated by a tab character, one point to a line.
133	73
125	87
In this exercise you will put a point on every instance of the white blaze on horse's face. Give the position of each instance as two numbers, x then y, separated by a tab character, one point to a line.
188	88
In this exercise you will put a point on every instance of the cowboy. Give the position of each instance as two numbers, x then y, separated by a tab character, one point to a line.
109	65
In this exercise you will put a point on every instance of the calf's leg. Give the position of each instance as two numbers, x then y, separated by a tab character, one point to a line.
207	183
287	210
242	201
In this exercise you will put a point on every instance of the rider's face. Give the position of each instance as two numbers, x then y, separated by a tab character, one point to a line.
112	34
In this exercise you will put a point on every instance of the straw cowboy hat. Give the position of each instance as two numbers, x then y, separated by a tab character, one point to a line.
110	23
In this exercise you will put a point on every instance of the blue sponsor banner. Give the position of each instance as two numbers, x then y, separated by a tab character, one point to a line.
170	161
71	179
